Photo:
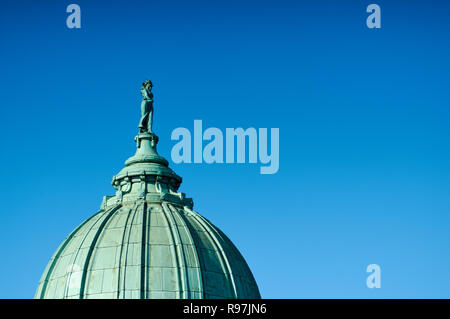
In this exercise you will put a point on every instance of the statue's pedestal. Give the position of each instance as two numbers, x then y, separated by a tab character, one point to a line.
145	174
146	150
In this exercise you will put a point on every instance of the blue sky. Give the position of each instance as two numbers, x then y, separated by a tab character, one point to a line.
364	132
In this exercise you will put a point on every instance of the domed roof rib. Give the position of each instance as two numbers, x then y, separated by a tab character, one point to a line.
223	256
122	264
178	252
232	248
175	217
75	255
144	256
191	242
122	291
92	246
54	260
238	255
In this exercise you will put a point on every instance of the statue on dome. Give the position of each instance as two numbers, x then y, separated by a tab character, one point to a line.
145	124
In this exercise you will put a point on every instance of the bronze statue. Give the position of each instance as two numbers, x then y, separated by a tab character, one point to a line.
145	124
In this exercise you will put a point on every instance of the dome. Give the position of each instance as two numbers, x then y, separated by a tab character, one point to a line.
147	242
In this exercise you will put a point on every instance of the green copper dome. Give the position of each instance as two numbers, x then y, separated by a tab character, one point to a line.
146	241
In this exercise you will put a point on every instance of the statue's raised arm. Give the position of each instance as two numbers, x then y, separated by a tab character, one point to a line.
145	124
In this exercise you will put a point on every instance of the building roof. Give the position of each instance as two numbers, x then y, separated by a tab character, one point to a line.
147	242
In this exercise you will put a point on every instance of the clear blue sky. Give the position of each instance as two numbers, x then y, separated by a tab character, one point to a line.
364	118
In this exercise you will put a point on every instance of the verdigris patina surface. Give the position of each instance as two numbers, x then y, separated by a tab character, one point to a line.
147	241
146	122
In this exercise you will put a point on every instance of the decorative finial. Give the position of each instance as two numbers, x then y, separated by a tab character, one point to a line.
146	122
